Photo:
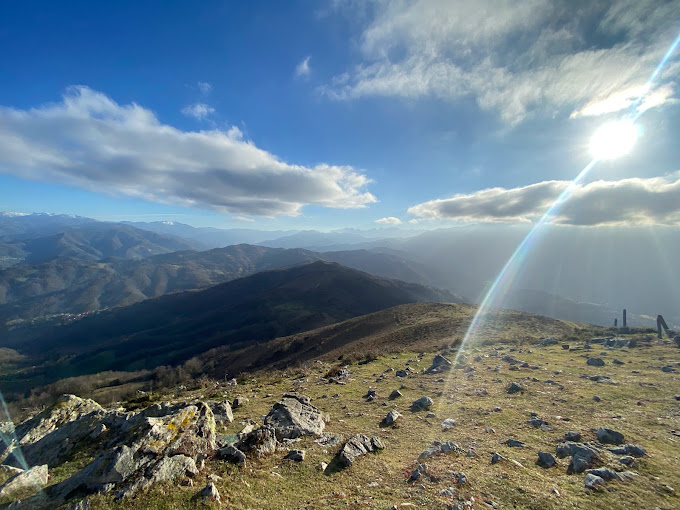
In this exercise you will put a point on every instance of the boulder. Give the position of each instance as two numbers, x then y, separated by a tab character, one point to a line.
583	455
294	416
592	481
240	402
595	362
262	441
295	455
232	454
210	493
395	394
548	341
629	449
357	446
222	411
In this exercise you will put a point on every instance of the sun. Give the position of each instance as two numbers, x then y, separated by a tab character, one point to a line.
613	139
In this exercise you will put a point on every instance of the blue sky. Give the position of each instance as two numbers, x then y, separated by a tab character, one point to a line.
336	114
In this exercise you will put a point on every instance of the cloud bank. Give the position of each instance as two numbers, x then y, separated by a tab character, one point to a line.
625	202
515	57
89	141
390	220
198	111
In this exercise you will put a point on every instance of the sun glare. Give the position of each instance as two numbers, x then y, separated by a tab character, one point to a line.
613	139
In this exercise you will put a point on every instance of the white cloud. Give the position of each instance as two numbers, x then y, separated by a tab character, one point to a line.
514	57
89	141
633	201
244	219
413	221
390	220
198	111
204	87
303	69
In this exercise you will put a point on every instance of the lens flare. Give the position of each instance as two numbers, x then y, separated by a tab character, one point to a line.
613	139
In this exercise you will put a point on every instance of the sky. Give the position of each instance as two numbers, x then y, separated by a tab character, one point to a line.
331	114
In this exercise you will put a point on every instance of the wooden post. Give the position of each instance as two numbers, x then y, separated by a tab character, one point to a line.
624	317
616	322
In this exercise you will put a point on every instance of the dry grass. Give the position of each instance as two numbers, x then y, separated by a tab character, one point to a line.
641	406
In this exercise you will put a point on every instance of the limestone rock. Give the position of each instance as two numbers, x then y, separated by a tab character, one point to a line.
232	454
262	441
515	388
439	364
222	411
545	460
210	493
583	455
25	483
609	436
391	417
295	455
423	403
595	362
357	446
294	416
395	394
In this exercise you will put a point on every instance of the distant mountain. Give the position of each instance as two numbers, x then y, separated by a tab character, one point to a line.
209	237
76	286
39	238
175	327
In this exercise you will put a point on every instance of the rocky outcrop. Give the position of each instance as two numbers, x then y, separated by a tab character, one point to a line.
295	416
583	455
25	483
132	451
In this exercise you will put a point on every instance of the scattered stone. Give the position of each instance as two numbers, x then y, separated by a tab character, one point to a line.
617	362
357	446
592	481
548	341
222	411
629	449
328	440
668	369
430	415
391	417
449	492
439	448
295	455
515	388
583	455
439	364
322	466
395	394
232	454
609	436
496	458
514	443
572	436
597	398
401	373
422	403
546	460
210	493
418	472
627	460
448	424
240	402
25	483
595	362
294	416
262	441
565	347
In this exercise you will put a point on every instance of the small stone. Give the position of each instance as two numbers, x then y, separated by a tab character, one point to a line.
592	481
546	460
515	388
240	402
423	403
596	398
448	424
395	394
430	415
572	436
627	460
595	362
401	373
496	458
210	493
514	443
295	455
419	471
609	436
449	491
391	417
322	466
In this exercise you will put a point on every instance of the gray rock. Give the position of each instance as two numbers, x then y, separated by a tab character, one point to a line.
240	402
583	455
548	341
401	373
262	441
496	458
572	436
514	443
461	479
391	417
439	448
327	440
448	424
423	403
25	483
222	411
450	492
395	394
232	454
609	436
295	455
294	416
629	449
597	398
439	364
515	388
592	481
546	460
595	362
608	474
627	460
357	446
210	493
418	472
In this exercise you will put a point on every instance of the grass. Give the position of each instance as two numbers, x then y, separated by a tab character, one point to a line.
641	406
